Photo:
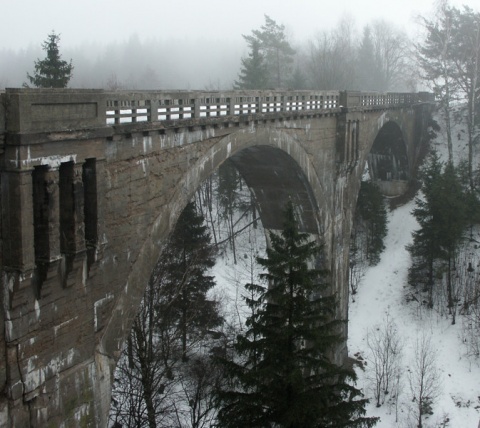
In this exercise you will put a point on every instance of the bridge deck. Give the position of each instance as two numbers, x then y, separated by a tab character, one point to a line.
50	110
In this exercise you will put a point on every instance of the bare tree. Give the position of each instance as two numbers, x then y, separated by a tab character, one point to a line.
424	378
390	53
113	83
385	356
332	57
469	274
434	57
199	378
145	385
466	57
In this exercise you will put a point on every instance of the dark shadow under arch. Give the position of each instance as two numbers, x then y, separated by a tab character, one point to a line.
388	158
388	162
274	178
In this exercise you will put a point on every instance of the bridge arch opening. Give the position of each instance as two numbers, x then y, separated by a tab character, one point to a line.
273	177
387	161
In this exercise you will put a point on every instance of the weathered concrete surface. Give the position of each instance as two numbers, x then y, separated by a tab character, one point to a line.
86	207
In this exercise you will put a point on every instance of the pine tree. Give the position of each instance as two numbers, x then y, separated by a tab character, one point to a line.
275	49
253	74
373	214
282	374
442	214
184	279
453	220
51	72
425	246
367	69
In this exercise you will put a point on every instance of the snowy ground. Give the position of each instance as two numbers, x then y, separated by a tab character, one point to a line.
382	291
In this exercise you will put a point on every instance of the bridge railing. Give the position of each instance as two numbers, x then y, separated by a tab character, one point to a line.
50	110
159	106
352	99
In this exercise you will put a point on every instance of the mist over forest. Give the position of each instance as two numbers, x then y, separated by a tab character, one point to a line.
136	64
327	61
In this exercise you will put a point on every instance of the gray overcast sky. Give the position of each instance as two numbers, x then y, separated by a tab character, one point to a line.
26	22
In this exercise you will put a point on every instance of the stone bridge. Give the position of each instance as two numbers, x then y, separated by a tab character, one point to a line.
92	182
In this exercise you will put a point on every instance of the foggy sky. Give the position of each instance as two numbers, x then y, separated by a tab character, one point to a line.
182	44
26	22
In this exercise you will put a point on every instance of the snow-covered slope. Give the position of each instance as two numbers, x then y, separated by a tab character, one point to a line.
382	291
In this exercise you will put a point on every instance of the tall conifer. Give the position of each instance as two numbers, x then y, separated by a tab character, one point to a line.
185	281
282	374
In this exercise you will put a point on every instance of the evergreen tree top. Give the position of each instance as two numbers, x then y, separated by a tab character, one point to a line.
51	72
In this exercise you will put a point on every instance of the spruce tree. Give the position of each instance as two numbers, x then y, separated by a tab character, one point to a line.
282	373
51	72
425	246
185	282
371	212
442	214
453	220
253	74
276	51
367	68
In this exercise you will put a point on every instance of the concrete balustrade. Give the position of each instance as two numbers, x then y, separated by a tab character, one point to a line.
36	110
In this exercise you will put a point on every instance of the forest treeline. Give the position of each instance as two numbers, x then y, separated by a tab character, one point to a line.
376	57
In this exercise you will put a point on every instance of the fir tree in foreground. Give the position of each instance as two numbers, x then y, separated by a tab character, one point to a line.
282	374
372	213
51	72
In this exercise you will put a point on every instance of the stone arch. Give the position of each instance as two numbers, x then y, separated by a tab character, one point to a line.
388	160
275	166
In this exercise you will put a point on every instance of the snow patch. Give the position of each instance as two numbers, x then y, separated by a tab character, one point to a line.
37	309
52	161
96	305
147	143
144	163
381	120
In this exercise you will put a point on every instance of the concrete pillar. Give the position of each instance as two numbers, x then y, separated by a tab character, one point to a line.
78	200
196	109
17	215
153	116
231	107
51	184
